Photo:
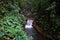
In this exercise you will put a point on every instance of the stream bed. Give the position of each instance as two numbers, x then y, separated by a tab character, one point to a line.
31	31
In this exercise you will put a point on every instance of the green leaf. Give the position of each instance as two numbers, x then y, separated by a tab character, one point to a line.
1	34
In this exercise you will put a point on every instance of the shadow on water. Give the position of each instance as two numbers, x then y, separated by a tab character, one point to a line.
30	30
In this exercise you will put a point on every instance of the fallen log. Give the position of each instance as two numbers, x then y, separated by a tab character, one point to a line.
40	30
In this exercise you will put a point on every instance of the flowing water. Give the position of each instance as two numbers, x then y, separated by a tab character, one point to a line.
30	30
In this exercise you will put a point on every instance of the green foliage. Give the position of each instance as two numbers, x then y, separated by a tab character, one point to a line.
11	21
46	18
11	26
1	34
39	3
52	6
23	3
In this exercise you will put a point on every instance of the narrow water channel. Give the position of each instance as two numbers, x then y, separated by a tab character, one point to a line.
30	30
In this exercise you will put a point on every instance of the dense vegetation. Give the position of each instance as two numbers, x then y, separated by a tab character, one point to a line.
11	18
46	17
11	21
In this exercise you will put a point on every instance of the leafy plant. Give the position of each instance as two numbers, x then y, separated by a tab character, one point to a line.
11	21
11	26
1	34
